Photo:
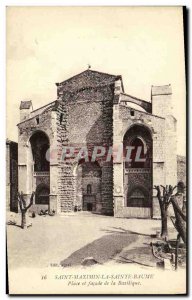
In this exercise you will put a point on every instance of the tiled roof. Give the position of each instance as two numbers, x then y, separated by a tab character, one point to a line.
88	78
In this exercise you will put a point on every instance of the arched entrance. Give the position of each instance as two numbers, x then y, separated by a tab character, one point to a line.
40	166
138	171
88	186
39	146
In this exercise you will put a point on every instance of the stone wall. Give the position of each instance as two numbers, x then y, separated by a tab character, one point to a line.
88	186
42	122
88	113
123	120
162	105
86	122
181	168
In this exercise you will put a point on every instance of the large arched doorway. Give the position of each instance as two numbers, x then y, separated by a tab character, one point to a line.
39	144
137	145
88	186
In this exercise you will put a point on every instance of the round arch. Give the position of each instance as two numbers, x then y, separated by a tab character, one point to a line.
139	137
129	127
36	132
138	196
138	171
82	161
39	143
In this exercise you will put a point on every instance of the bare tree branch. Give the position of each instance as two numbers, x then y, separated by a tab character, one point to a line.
31	201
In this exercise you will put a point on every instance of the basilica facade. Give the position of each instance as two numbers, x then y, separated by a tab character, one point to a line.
72	152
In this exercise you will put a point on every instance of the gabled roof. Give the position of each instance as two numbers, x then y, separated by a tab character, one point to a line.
40	110
87	78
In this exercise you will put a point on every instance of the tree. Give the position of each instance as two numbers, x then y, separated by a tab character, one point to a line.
24	207
164	194
180	218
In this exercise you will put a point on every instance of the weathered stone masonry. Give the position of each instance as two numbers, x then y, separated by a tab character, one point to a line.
74	131
92	109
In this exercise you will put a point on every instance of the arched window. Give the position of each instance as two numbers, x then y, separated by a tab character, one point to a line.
139	139
89	189
138	197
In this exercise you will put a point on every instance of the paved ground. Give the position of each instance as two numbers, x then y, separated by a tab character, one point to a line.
69	239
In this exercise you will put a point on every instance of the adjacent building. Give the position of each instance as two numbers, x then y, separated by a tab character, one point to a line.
11	175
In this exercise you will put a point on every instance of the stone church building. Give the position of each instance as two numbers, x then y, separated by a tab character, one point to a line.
92	109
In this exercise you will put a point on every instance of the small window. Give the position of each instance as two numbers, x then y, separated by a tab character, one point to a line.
37	120
61	118
89	189
132	113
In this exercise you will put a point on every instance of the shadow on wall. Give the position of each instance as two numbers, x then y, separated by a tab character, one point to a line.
94	136
102	249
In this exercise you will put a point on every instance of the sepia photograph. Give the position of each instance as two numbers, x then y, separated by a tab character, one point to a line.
96	188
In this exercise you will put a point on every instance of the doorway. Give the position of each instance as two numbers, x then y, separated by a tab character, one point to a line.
88	186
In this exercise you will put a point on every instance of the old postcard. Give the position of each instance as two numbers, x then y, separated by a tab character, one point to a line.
96	150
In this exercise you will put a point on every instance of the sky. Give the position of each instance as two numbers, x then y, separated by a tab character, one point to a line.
46	45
